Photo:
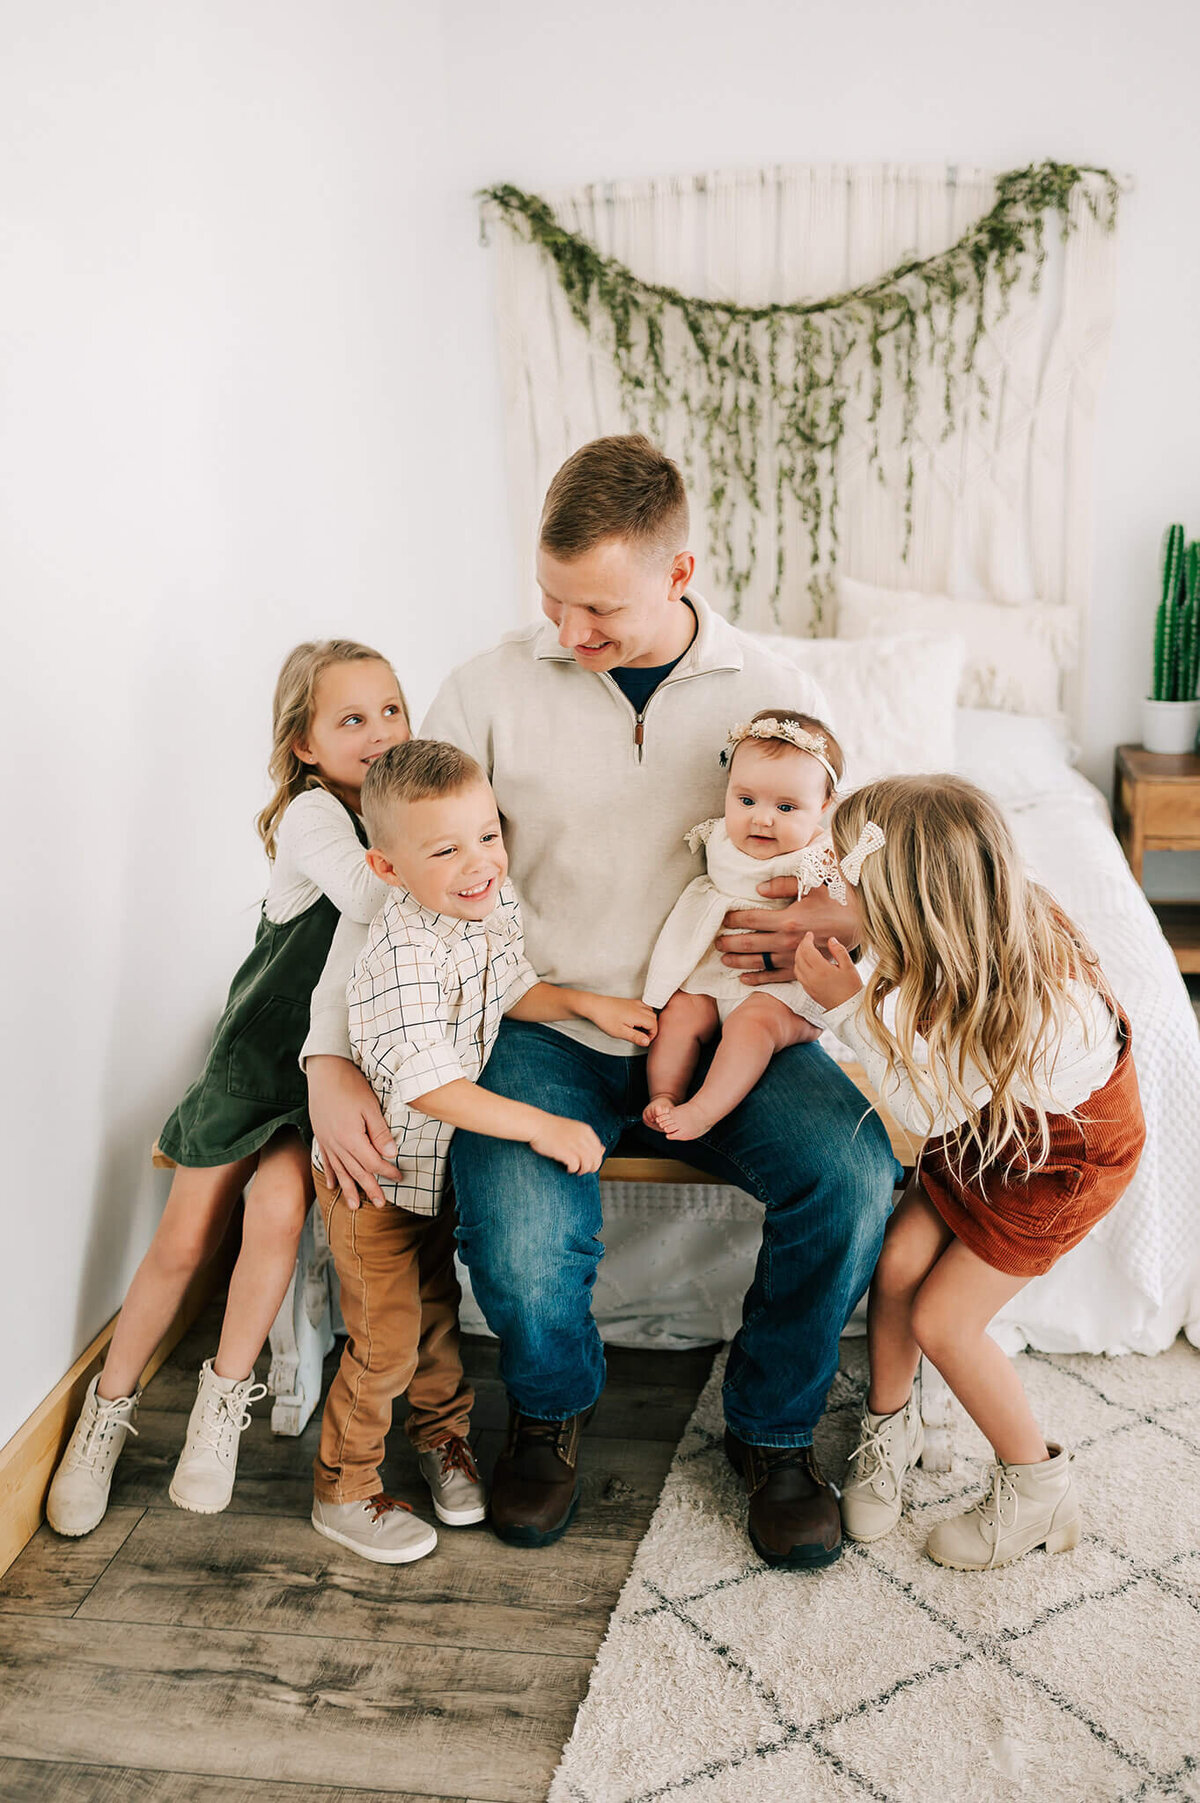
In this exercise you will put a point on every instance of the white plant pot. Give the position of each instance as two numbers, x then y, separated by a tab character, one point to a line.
1170	726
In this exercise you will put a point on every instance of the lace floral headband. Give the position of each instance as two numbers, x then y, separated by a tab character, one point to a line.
812	742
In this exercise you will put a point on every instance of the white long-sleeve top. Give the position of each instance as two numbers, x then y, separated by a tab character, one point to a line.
1081	1062
594	798
318	852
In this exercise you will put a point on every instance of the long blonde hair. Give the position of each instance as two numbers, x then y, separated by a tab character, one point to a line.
979	957
292	712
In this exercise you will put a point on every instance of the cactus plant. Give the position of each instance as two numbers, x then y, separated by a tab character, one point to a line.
1177	622
1191	585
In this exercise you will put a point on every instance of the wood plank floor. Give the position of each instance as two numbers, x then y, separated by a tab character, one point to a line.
177	1658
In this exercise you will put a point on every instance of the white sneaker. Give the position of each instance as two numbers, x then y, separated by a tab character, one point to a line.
888	1447
1024	1506
454	1483
79	1492
203	1480
378	1528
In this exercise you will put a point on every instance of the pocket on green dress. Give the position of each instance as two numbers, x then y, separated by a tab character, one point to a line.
264	1053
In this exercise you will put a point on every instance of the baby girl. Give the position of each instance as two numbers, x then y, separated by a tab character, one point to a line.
784	769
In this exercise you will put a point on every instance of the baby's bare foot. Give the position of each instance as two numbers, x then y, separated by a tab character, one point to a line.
658	1111
691	1119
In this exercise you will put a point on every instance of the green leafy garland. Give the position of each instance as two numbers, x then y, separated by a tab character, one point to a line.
787	371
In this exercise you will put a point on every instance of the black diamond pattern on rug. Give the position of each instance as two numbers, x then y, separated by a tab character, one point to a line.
1073	1676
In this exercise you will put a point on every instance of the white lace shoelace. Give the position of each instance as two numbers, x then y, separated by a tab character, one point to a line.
871	1459
96	1438
997	1507
226	1415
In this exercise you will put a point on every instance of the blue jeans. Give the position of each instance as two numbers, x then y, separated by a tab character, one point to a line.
529	1233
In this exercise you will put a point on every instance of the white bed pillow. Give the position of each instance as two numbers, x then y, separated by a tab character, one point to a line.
1015	757
892	700
1015	654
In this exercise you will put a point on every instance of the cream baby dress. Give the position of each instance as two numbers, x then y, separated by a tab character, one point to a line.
684	955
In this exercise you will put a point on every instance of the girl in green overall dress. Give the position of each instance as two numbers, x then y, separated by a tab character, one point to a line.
338	706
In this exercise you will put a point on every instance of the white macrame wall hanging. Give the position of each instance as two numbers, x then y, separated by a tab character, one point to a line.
1000	504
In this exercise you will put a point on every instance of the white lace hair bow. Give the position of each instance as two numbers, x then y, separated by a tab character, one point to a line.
869	840
812	742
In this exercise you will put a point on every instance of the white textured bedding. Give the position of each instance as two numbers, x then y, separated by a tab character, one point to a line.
1135	1281
679	1258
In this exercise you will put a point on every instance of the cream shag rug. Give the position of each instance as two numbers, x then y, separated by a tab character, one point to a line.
1066	1676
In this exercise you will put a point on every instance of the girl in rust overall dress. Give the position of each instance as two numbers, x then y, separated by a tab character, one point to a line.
338	707
1007	1050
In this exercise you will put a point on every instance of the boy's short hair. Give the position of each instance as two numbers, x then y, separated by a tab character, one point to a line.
618	487
418	770
807	723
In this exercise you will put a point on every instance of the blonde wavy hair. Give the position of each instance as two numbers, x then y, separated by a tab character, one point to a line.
978	956
292	712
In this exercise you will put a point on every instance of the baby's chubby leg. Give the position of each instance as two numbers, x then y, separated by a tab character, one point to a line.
684	1025
757	1029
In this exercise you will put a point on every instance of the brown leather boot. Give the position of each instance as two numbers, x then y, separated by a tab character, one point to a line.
535	1486
794	1519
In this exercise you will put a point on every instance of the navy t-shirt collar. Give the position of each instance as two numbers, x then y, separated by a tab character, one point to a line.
637	685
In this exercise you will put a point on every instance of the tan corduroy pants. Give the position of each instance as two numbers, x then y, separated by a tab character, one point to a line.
400	1301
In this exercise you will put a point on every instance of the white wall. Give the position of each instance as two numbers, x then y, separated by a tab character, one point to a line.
232	414
248	392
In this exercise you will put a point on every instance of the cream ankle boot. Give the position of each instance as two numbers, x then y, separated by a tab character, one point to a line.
203	1480
78	1495
1025	1506
888	1447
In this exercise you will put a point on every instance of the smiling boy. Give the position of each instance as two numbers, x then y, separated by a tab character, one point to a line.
444	960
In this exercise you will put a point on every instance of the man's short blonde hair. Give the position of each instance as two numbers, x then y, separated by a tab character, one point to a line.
418	770
621	487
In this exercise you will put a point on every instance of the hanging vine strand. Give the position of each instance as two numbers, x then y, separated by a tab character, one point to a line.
774	382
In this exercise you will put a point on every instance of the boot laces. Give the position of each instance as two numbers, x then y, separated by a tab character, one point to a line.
96	1436
871	1458
548	1433
456	1456
997	1507
226	1413
778	1458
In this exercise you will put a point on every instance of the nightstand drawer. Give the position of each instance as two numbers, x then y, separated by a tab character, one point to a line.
1169	811
1156	807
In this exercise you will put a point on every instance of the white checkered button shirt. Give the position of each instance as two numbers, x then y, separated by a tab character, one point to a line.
426	999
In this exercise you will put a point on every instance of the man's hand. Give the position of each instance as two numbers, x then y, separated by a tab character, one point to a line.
357	1147
622	1019
570	1143
829	980
748	933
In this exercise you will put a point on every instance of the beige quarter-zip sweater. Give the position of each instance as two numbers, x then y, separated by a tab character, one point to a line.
596	800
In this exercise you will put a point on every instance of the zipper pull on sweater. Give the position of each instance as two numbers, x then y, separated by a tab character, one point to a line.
639	732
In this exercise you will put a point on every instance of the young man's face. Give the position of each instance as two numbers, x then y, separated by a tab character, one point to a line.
447	852
619	606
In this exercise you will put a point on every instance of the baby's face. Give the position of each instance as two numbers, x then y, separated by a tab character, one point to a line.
775	801
448	852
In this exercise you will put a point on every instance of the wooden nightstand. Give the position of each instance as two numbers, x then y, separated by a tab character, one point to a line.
1156	807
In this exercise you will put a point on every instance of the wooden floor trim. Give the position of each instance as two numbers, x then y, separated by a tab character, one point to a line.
28	1460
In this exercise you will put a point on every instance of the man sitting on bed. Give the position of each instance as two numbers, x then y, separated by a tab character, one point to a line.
601	733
